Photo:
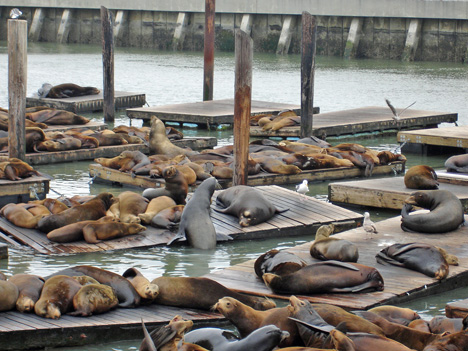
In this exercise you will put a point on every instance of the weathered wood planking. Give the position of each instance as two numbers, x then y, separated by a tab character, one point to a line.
89	103
195	143
446	136
22	331
100	173
401	284
23	190
361	120
304	216
212	112
90	125
452	177
384	192
457	309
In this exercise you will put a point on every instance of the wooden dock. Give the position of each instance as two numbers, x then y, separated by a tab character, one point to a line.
90	125
422	140
362	120
22	331
195	143
23	190
384	192
105	174
452	177
89	103
304	216
207	113
457	309
401	284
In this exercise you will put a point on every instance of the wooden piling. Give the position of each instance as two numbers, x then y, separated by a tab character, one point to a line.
108	64
307	73
17	83
242	105
208	68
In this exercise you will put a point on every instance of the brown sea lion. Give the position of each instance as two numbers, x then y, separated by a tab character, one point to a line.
65	90
446	212
109	139
452	260
168	218
74	231
278	262
87	142
15	169
8	295
222	172
20	216
155	206
94	233
420	324
328	161
59	145
326	248
394	314
33	136
199	292
456	341
441	324
131	205
54	116
94	299
457	163
167	337
53	205
421	177
85	280
364	342
159	143
36	209
276	166
29	287
387	157
148	291
57	296
176	186
134	160
188	172
91	210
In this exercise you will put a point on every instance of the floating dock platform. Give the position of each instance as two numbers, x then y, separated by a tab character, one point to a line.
457	309
362	120
401	284
385	192
23	190
105	174
63	128
89	103
428	140
207	113
303	217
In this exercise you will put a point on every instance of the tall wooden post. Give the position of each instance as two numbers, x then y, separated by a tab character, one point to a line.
242	105
307	73
17	83
108	64
208	68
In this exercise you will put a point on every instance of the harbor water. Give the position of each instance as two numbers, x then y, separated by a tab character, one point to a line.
177	77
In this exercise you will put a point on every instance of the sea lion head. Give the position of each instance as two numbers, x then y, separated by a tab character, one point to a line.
169	172
420	198
151	291
47	309
44	90
227	306
442	272
106	198
135	228
180	325
324	231
85	280
25	304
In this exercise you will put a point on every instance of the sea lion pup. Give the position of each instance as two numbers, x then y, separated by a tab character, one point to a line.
326	248
457	163
446	212
279	262
168	336
94	299
394	314
8	295
202	293
155	206
96	232
147	291
248	204
421	177
90	210
74	231
420	257
176	186
65	90
168	218
29	288
57	297
20	216
159	143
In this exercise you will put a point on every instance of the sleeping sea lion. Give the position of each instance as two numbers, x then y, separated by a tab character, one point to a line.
326	248
20	216
65	90
29	288
8	295
168	218
457	163
94	233
421	177
155	206
131	205
94	299
147	291
278	262
74	231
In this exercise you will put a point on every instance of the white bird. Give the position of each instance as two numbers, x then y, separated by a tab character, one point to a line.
368	225
302	188
396	115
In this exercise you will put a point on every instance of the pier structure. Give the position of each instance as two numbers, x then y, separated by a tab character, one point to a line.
389	29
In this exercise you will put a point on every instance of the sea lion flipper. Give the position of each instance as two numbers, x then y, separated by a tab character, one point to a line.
409	247
277	210
179	236
162	336
340	264
384	259
321	328
221	210
222	237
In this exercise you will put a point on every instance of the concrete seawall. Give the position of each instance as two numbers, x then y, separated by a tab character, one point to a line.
391	29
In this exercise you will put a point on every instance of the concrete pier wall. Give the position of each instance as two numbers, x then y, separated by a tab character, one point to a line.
152	24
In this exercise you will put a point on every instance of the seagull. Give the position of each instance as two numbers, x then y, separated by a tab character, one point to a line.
368	225
396	115
302	188
16	14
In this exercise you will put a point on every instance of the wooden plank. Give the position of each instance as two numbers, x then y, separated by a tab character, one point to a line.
452	177
457	309
446	136
23	190
363	120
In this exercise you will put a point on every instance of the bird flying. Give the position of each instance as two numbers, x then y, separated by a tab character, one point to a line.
396	115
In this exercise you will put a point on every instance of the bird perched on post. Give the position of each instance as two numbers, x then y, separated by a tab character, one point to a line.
396	115
368	225
302	188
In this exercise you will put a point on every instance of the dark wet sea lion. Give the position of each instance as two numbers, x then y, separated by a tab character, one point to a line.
147	291
457	163
279	262
176	186
202	293
94	233
168	218
394	314
65	90
421	177
8	295
246	203
326	248
326	277
446	212
29	287
94	299
420	257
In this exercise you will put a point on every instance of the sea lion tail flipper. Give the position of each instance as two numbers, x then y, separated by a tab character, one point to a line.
45	175
179	236
278	210
222	237
320	328
147	343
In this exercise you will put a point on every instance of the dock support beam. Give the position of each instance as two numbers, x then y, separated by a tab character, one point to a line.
209	43
120	21
3	251
64	29
179	33
286	34
36	25
354	35
309	37
108	64
246	24
412	40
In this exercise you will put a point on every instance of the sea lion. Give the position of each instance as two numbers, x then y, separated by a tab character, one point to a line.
126	293
168	336
202	293
133	160
57	296
326	277
272	165
90	210
441	324
420	257
94	299
96	232
195	224
279	262
65	90
159	143
364	342
457	163
328	161
420	324
155	206
8	295
247	203
176	186
52	116
188	173
456	341
74	231
29	288
85	280
131	205
168	218
20	216
59	145
53	205
421	177
145	289
446	212
326	248
16	169
87	142
394	314
387	157
147	343
109	139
